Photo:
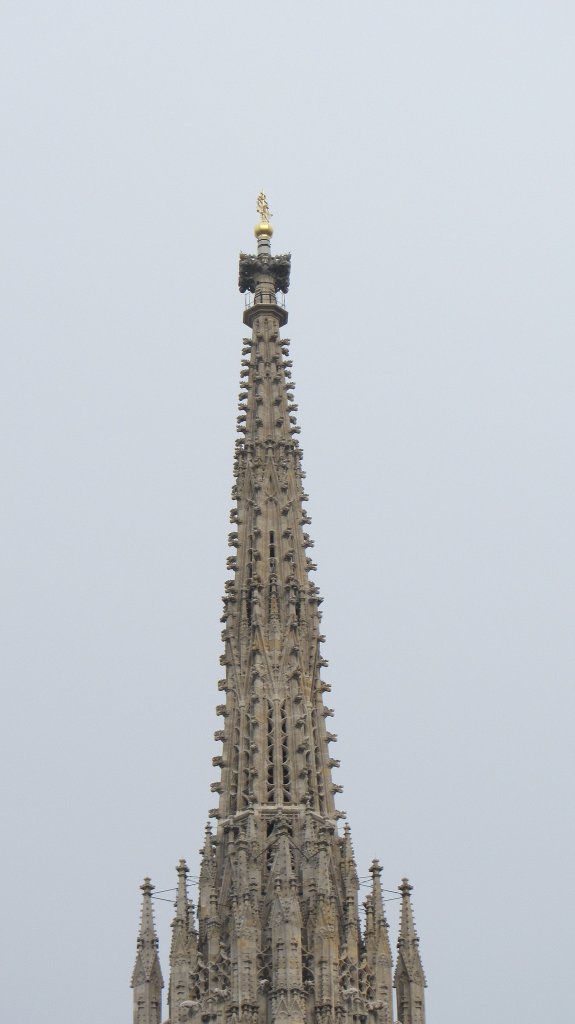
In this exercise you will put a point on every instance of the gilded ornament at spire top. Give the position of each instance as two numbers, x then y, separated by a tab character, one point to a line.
264	227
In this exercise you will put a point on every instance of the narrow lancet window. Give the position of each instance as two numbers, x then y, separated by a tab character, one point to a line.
285	757
270	755
272	554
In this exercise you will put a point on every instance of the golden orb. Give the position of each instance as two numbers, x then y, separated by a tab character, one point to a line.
264	228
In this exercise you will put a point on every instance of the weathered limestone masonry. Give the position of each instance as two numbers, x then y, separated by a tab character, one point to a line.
277	935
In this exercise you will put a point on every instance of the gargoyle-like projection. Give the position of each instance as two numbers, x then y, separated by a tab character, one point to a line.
253	268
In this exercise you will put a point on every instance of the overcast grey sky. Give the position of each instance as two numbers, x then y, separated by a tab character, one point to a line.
419	161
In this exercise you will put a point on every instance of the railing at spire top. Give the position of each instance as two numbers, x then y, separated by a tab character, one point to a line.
270	298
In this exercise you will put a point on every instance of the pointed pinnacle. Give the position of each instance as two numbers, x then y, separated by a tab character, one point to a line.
407	932
181	903
207	849
147	927
147	942
408	941
378	904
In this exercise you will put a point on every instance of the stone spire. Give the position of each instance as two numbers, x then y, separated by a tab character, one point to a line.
147	981
275	743
278	936
409	977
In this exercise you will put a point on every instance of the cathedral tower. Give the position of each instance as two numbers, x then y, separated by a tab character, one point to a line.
278	938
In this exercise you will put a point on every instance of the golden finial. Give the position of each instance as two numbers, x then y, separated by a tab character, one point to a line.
264	227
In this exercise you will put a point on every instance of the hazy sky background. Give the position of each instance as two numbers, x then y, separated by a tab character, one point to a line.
419	162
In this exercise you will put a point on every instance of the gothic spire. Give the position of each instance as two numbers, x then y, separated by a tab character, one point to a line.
409	977
275	743
279	938
147	981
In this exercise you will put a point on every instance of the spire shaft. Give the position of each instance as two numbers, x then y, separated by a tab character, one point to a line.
274	737
279	934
